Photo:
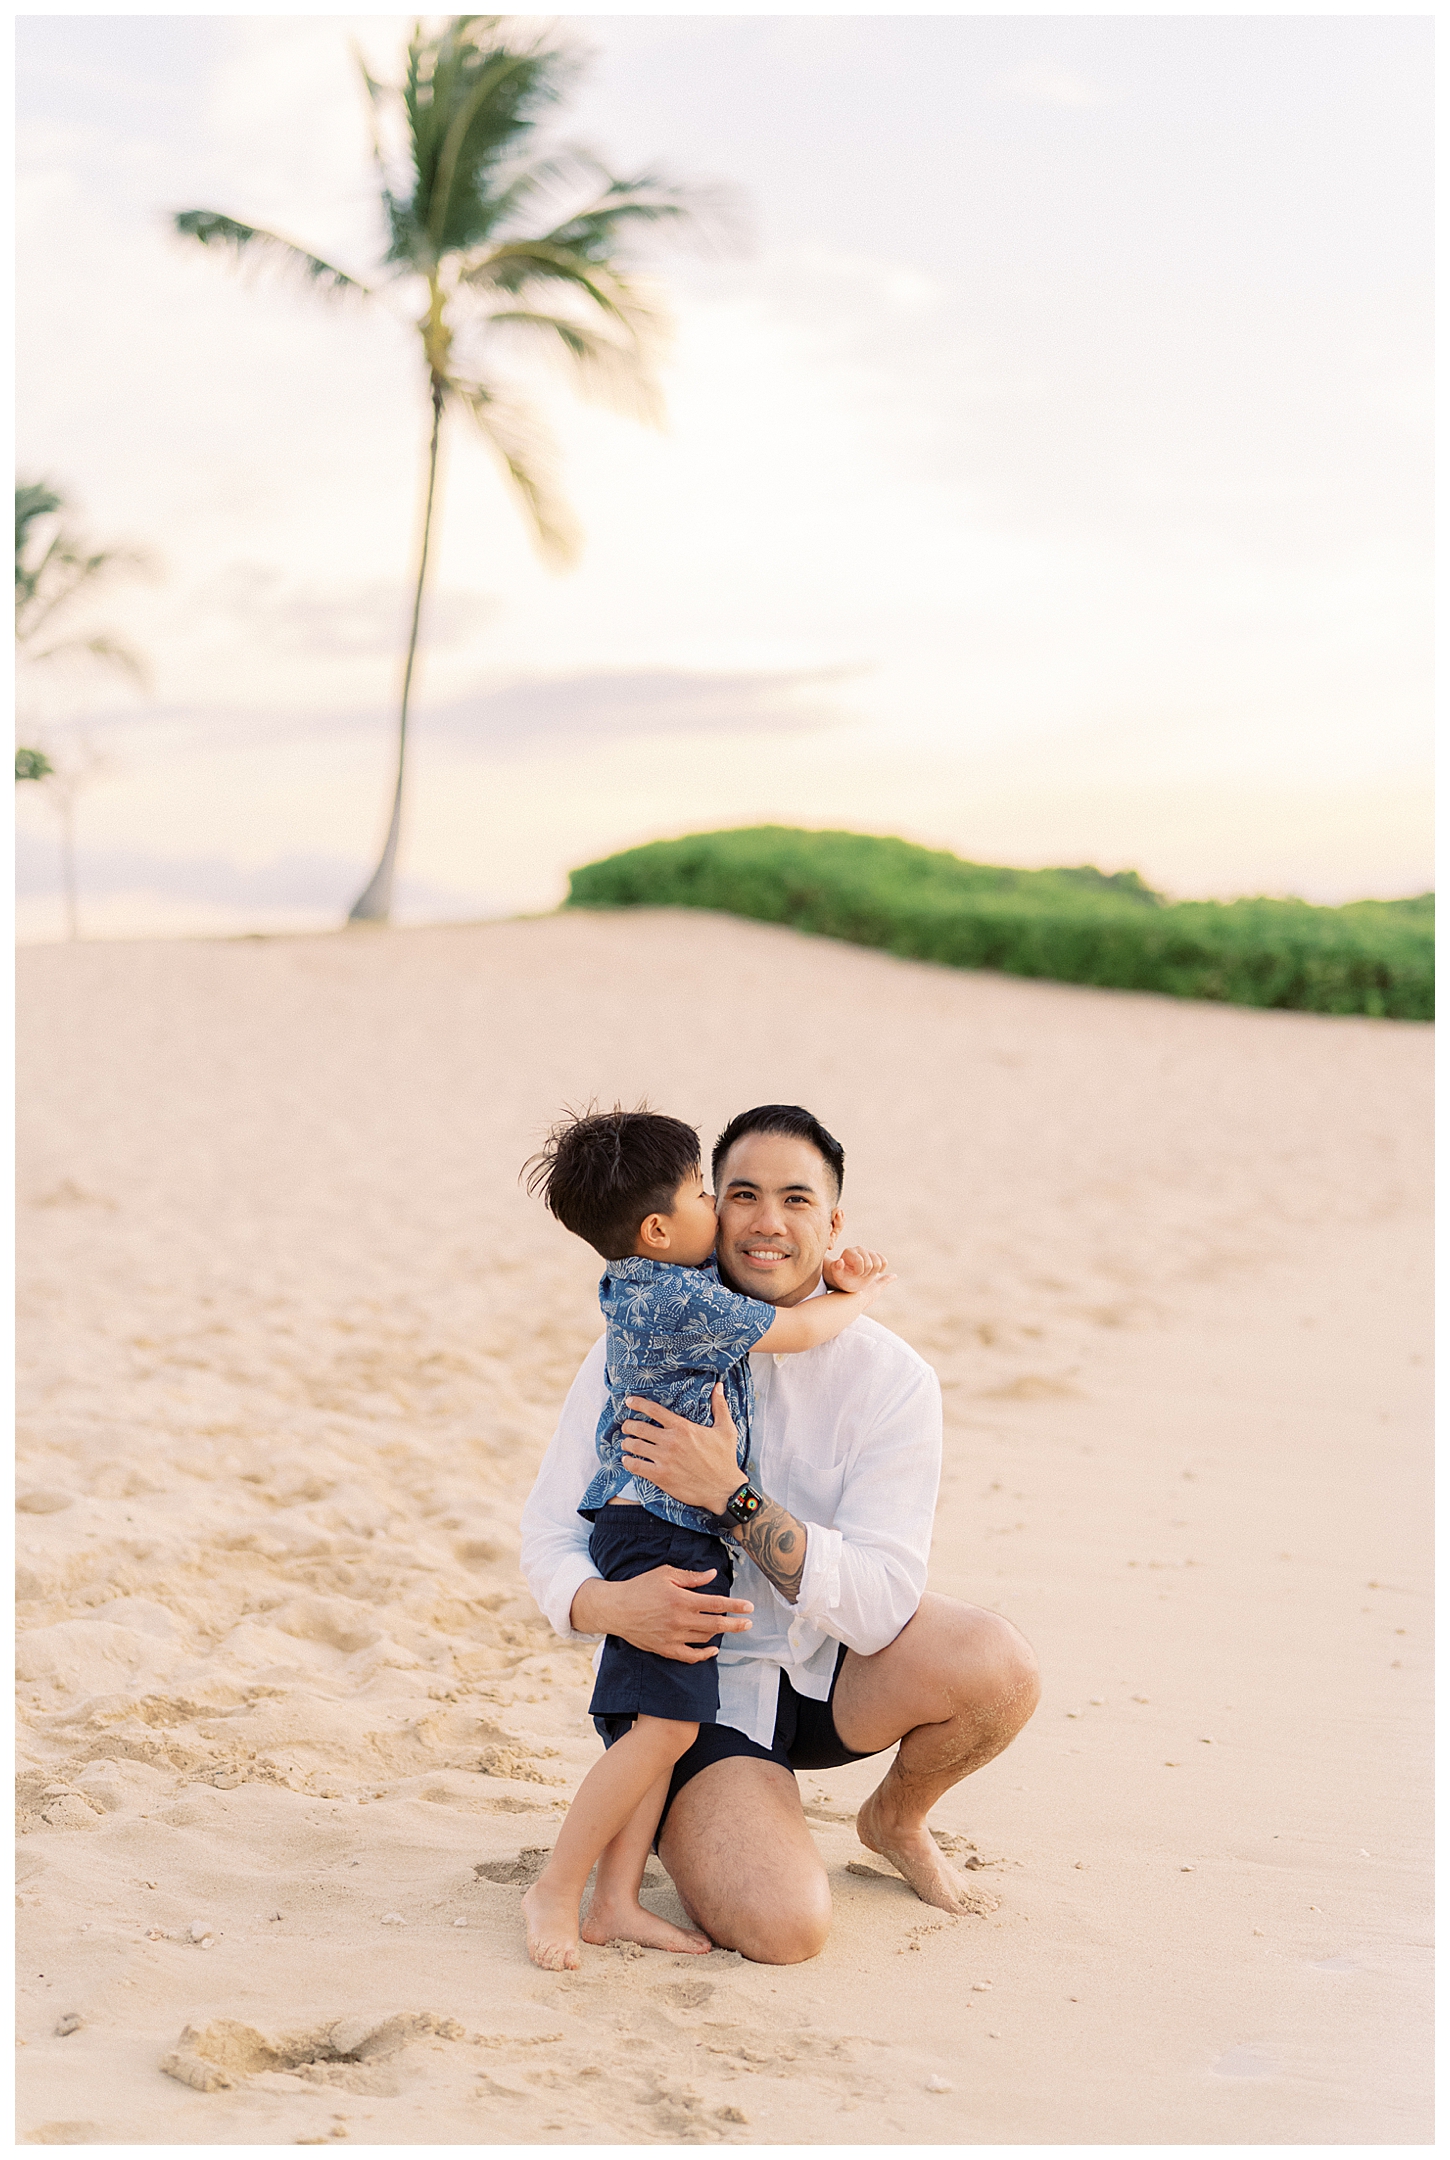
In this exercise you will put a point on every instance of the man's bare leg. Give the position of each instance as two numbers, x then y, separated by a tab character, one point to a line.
614	1913
745	1864
954	1688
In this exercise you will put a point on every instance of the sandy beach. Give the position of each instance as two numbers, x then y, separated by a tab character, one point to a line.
292	1340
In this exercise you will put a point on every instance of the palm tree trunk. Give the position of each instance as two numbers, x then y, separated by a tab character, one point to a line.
374	903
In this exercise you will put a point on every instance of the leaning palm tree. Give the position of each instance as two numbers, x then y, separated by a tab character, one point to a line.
513	247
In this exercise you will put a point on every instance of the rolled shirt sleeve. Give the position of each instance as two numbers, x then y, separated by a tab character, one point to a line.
553	1535
866	1567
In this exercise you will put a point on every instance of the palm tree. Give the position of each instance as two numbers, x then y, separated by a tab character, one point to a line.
66	569
51	576
513	247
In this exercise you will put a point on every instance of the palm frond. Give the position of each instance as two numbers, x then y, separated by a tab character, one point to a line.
531	269
64	571
595	231
377	96
42	587
529	458
606	369
471	94
214	229
407	240
29	577
492	86
33	499
102	646
520	191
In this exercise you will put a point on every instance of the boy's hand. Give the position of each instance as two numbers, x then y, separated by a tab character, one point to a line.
857	1271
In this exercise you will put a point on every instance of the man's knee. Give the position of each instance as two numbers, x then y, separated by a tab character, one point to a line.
768	1897
978	1657
999	1664
783	1930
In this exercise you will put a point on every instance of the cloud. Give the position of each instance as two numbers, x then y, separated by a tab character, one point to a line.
302	881
625	705
593	709
368	617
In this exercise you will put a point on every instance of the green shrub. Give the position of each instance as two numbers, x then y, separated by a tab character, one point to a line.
1375	956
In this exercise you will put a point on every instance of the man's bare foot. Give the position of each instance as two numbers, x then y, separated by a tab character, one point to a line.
633	1922
911	1851
553	1929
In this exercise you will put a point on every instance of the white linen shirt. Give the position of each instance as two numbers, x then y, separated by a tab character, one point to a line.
847	1437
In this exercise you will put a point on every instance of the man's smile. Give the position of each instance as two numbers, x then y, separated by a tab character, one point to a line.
776	1216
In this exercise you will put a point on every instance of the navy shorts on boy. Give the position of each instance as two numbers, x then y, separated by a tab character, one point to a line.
631	1683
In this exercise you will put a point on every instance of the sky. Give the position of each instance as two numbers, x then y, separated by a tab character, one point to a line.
1045	472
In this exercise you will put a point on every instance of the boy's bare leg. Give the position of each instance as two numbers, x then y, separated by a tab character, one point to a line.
602	1807
615	1913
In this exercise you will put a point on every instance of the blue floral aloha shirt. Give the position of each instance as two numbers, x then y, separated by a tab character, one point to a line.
671	1333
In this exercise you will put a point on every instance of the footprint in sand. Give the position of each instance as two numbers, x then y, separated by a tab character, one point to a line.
525	1868
349	2052
958	1849
684	1994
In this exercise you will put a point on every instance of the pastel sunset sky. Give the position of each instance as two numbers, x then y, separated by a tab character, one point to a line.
1046	472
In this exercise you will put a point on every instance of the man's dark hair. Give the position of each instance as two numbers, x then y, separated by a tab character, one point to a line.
602	1171
795	1123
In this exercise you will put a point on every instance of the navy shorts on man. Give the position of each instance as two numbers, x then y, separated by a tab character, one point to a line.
629	1541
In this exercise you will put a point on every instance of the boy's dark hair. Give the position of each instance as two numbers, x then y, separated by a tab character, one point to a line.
602	1171
795	1123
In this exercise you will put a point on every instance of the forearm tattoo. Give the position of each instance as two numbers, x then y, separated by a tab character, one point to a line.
776	1542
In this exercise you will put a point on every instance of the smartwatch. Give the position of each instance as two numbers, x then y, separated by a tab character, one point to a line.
745	1503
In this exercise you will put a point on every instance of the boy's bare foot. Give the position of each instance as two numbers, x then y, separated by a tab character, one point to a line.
610	1922
553	1929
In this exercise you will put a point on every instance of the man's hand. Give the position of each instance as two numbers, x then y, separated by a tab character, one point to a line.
660	1611
854	1269
696	1464
693	1463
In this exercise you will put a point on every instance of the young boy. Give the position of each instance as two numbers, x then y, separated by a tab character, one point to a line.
630	1183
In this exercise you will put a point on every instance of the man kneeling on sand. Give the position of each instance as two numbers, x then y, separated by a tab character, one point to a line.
832	1648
